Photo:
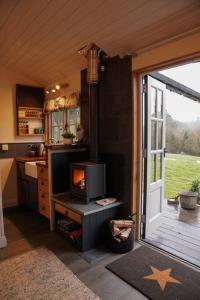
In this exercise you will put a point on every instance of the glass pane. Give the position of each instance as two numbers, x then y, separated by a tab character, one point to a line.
160	135
160	104
72	129
159	166
153	168
78	116
57	118
61	129
71	116
57	133
153	102
153	135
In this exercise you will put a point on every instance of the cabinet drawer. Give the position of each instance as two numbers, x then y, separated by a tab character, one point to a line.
43	197
44	209
43	185
67	212
42	172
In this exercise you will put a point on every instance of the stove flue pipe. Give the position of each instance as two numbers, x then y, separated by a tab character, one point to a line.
92	54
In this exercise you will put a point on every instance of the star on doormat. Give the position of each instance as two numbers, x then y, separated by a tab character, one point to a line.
162	277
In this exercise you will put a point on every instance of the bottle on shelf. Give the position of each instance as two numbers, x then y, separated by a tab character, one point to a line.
27	128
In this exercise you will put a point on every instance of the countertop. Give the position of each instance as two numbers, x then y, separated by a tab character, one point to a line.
29	158
63	146
42	164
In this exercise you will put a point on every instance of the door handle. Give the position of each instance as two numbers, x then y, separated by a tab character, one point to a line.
165	151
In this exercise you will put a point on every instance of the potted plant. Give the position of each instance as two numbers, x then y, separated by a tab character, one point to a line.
188	200
195	187
68	137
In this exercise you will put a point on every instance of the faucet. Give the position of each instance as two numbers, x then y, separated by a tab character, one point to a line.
51	141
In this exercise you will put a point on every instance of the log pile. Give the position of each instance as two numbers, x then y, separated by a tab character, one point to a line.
121	229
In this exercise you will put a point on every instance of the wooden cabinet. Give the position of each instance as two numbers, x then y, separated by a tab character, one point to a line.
92	219
29	108
43	191
27	188
68	213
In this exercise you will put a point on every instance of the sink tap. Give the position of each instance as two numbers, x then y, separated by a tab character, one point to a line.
52	141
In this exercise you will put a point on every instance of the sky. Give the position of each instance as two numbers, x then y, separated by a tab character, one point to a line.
180	107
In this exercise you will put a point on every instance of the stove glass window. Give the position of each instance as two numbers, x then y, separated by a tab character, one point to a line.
79	178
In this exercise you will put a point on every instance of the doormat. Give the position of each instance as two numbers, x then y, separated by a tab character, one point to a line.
157	276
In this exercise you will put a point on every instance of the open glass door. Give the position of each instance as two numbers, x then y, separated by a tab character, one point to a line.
154	153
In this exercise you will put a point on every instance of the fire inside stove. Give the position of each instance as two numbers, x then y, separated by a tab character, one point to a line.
79	178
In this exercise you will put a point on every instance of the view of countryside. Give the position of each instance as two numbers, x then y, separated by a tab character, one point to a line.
182	162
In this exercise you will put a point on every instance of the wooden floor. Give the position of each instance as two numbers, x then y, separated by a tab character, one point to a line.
179	233
25	231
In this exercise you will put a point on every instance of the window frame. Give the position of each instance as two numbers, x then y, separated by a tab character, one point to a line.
54	126
65	122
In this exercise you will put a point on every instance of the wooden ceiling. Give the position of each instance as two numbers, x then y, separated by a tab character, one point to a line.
40	38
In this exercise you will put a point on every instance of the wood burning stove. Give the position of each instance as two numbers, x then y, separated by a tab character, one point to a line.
87	180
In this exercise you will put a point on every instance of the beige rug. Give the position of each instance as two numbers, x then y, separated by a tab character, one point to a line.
39	274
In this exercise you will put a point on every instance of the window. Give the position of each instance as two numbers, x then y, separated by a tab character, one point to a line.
57	125
73	119
61	119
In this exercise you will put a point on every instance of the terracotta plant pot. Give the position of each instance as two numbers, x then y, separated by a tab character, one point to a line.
67	141
188	200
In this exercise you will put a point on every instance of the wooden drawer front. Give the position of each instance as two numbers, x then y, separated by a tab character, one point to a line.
44	209
43	185
42	172
43	197
67	212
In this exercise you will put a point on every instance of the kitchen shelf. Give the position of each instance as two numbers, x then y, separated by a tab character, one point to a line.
30	118
34	134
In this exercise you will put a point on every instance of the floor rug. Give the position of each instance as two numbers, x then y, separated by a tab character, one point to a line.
39	274
157	276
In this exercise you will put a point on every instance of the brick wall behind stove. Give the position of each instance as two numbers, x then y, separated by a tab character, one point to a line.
115	117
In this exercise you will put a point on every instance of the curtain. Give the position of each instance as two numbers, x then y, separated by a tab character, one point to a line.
62	103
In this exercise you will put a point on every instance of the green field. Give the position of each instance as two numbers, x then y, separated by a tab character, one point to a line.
180	171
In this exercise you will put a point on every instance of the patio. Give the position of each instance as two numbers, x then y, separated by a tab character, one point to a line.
179	233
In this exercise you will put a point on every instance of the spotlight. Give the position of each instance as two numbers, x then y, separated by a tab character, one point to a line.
47	92
57	87
53	90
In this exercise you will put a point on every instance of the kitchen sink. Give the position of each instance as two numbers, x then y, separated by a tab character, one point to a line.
31	168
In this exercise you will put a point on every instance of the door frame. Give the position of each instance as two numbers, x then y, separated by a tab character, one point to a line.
137	202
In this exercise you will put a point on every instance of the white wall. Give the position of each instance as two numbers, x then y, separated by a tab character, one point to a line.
3	241
8	80
73	86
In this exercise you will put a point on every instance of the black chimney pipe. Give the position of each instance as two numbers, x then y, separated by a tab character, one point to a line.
94	122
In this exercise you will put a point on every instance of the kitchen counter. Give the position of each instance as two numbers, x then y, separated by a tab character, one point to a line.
41	164
78	205
29	158
63	146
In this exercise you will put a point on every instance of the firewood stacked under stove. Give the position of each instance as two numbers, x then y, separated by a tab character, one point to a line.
121	229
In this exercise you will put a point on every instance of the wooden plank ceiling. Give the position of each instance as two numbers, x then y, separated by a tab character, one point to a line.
40	38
